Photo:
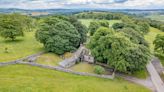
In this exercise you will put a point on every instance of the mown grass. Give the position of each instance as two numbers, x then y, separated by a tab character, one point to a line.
83	67
52	59
24	78
21	47
86	22
86	67
49	59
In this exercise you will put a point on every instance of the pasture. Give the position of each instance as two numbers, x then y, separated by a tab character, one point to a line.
18	78
21	47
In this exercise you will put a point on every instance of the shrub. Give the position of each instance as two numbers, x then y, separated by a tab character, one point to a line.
99	70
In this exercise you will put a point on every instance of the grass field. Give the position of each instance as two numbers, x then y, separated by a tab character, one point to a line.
21	47
156	17
86	22
24	78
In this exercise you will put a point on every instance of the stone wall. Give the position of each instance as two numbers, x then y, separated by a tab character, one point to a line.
58	68
20	60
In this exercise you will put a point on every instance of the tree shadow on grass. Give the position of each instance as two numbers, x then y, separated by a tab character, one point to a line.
12	41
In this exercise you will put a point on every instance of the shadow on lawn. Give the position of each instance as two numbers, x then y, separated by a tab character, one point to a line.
12	41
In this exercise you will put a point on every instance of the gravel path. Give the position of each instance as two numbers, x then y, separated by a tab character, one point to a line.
145	82
157	81
157	64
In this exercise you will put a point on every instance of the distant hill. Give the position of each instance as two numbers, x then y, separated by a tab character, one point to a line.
37	12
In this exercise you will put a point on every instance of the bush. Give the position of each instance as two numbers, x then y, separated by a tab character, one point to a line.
99	70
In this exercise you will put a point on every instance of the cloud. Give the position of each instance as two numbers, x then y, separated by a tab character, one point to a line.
107	4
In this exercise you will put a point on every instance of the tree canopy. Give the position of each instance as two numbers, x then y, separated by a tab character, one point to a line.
159	43
13	25
134	36
58	36
10	27
94	25
118	51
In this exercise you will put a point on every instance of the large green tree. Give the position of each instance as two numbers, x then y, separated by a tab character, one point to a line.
58	36
118	51
82	29
134	36
13	25
94	25
159	43
10	26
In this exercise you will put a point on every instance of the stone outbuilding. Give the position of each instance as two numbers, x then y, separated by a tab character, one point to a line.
82	54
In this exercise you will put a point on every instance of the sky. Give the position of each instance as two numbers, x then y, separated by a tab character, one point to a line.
77	4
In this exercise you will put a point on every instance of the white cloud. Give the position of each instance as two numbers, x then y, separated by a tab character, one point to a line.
110	4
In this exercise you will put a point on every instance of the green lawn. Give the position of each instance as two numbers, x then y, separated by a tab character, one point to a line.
86	67
24	78
49	59
86	22
83	67
21	47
